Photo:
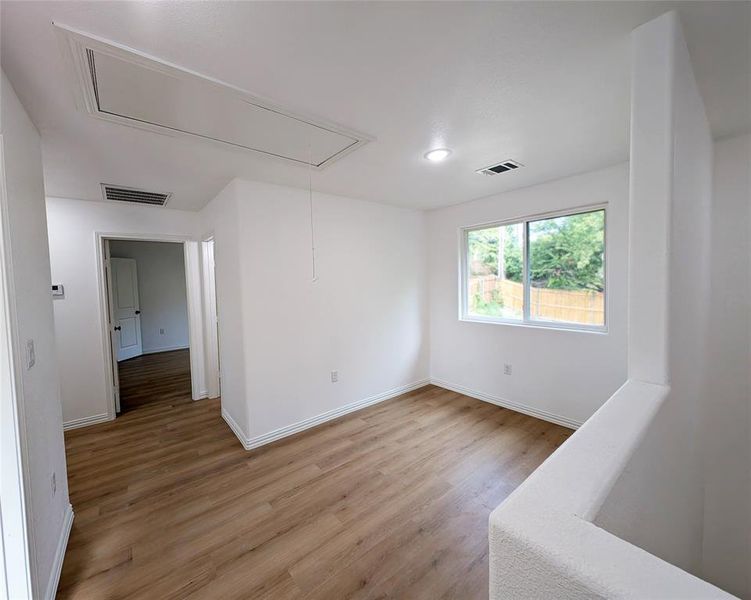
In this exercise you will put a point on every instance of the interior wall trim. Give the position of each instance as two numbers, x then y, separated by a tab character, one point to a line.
254	442
57	563
86	421
165	349
516	406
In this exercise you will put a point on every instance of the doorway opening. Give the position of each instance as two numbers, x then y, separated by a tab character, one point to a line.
148	321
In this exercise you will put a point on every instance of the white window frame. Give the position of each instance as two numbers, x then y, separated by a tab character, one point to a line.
526	321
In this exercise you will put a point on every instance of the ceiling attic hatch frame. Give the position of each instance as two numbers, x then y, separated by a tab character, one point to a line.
122	85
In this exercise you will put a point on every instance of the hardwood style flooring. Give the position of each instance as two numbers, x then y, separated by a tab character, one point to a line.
389	502
154	378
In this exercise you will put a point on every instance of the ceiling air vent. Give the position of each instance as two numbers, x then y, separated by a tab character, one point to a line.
506	165
126	194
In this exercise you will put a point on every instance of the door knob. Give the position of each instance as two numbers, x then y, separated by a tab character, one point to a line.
117	328
138	312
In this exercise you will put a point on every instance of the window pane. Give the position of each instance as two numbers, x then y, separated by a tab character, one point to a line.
567	269
494	278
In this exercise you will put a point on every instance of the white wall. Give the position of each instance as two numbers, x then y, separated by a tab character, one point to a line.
635	471
73	225
221	218
28	270
161	290
365	316
726	556
657	503
560	375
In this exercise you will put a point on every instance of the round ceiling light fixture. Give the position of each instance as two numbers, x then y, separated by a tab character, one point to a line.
438	154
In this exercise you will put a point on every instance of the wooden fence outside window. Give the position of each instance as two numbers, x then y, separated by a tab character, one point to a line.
571	306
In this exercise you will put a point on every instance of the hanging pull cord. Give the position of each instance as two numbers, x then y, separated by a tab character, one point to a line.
310	201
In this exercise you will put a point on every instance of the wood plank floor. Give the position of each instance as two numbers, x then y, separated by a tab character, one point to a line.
388	502
154	378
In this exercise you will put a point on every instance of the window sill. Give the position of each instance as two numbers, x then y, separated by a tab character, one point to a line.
547	325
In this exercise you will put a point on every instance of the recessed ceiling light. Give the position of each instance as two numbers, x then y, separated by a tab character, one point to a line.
438	154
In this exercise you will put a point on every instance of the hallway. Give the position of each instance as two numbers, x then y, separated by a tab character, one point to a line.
150	378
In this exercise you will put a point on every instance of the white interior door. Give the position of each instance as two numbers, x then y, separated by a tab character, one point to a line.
126	308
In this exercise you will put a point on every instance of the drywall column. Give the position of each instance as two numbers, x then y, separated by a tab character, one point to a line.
221	219
726	554
638	460
657	502
650	198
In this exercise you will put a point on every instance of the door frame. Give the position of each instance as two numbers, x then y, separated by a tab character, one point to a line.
211	316
110	316
193	287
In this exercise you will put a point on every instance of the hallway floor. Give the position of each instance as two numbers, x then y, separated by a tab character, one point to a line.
154	378
391	501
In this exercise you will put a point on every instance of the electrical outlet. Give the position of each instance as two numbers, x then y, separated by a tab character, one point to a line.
334	376
161	332
507	369
54	484
31	357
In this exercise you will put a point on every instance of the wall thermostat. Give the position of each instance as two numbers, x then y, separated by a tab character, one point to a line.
58	290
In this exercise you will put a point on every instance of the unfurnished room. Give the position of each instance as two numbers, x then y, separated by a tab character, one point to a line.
357	300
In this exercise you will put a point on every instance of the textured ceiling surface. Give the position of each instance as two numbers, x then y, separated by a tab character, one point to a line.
544	83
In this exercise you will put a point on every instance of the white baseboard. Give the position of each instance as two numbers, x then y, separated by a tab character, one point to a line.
86	421
277	434
236	429
57	563
522	408
165	349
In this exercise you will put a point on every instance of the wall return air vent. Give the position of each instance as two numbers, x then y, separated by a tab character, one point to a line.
127	194
122	85
502	167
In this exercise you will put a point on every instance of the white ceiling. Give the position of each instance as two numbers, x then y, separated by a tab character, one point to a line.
544	83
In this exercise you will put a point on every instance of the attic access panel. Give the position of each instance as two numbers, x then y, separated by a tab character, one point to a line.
120	84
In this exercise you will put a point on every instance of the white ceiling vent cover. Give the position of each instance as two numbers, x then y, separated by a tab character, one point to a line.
502	167
127	194
122	85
